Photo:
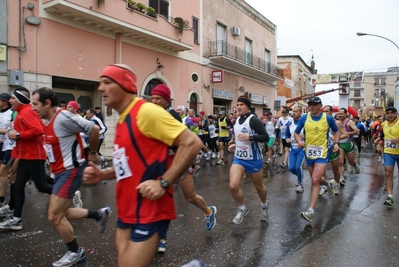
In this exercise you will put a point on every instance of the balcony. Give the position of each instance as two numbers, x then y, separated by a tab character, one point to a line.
117	17
236	59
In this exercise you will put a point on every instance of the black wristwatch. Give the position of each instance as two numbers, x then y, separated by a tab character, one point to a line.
164	183
17	135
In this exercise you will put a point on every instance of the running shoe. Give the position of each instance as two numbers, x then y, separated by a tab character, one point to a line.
389	201
264	213
162	246
196	171
337	189
198	158
268	161
342	180
77	201
330	188
211	218
379	158
299	188
240	215
357	170
11	224
5	211
105	214
213	155
323	190
193	263
71	258
282	165
307	215
220	161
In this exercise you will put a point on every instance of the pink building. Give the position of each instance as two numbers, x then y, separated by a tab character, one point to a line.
64	45
207	51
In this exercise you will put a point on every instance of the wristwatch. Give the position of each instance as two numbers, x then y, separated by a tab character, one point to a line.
17	135
164	183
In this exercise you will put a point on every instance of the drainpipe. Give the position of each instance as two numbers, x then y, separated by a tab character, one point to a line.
20	33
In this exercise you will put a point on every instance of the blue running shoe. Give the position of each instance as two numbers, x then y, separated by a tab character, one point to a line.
211	218
162	246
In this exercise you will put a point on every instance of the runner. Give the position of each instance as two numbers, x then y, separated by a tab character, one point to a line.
249	133
161	97
390	135
281	124
141	166
346	145
316	125
296	154
65	151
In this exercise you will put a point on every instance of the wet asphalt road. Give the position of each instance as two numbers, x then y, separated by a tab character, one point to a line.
251	243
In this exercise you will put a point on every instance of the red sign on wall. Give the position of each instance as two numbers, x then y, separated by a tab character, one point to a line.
217	76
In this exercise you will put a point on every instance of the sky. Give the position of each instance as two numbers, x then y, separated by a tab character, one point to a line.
327	28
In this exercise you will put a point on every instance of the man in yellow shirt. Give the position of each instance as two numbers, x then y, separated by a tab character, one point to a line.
390	135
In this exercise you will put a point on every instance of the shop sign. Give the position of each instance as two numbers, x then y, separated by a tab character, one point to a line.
218	93
217	76
257	99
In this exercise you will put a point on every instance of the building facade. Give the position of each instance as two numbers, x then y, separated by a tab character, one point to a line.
297	81
65	44
207	52
379	91
239	51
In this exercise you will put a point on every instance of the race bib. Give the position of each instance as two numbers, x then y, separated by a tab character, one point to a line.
243	152
50	153
389	144
121	165
314	152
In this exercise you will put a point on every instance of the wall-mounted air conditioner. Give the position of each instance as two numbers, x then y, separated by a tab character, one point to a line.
235	31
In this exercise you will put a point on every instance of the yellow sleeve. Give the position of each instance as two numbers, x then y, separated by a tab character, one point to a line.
155	122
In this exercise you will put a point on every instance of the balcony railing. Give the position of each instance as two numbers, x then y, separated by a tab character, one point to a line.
222	48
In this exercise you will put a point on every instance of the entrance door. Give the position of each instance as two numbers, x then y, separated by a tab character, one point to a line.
194	102
84	98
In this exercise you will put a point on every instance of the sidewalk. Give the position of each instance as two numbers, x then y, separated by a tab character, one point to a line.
369	238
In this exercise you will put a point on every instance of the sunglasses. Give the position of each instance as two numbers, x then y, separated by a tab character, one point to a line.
312	104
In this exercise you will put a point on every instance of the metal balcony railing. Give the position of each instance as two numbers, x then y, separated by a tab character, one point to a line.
223	48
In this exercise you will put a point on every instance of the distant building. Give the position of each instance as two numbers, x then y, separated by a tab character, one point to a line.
297	79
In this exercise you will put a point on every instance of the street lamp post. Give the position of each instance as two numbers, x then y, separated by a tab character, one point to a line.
396	92
369	34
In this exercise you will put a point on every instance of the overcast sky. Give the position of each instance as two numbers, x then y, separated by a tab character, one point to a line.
328	27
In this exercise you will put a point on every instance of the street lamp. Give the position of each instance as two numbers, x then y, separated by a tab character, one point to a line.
369	34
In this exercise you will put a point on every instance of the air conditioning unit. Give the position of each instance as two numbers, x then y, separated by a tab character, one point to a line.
235	31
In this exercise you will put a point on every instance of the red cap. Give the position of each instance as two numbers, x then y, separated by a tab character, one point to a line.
73	104
162	90
122	75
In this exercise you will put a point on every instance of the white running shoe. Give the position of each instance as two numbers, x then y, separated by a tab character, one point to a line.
77	201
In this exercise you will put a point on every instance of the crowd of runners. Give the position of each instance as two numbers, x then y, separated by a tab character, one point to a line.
147	160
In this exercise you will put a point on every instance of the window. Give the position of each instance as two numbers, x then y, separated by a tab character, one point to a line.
150	85
195	27
379	81
248	51
221	46
161	7
267	60
357	93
